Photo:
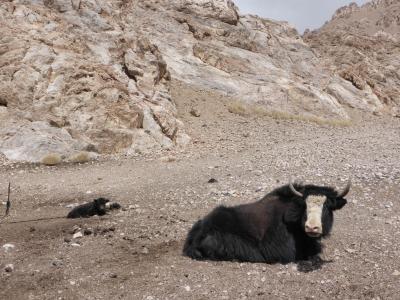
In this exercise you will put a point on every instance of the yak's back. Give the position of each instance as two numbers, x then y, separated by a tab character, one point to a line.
82	211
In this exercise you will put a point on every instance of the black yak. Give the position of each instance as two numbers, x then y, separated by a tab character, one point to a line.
96	207
284	226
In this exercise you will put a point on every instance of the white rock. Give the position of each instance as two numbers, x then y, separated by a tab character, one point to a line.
351	251
77	235
8	247
396	273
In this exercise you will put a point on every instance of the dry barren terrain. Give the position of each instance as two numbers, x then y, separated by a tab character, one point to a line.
135	253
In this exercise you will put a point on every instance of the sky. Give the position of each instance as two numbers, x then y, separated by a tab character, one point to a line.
301	14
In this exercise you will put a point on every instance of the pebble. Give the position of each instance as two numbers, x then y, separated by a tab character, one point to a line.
87	231
228	193
168	159
57	263
8	247
351	250
396	273
9	268
258	172
195	113
75	229
77	235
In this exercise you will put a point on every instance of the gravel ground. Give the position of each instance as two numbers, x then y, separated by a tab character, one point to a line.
135	253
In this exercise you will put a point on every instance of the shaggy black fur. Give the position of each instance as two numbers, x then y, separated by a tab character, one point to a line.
96	207
270	230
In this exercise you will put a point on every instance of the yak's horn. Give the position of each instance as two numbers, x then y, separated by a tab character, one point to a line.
345	190
293	189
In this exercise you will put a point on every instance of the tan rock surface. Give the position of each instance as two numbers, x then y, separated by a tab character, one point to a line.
362	45
72	79
258	61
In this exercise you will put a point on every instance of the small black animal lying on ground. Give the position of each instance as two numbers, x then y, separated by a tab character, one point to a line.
285	226
96	207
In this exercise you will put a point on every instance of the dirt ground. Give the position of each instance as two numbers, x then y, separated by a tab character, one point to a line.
135	253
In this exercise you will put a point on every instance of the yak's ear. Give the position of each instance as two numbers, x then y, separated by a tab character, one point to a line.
339	203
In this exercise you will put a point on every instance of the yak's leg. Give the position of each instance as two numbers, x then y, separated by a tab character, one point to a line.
226	246
209	247
309	249
193	240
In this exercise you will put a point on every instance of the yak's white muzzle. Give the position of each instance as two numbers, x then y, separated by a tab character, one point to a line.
315	204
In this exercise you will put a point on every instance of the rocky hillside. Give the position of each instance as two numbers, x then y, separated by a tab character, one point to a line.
362	45
75	76
95	76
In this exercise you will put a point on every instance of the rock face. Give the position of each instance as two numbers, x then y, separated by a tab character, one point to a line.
362	45
255	60
91	75
72	78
